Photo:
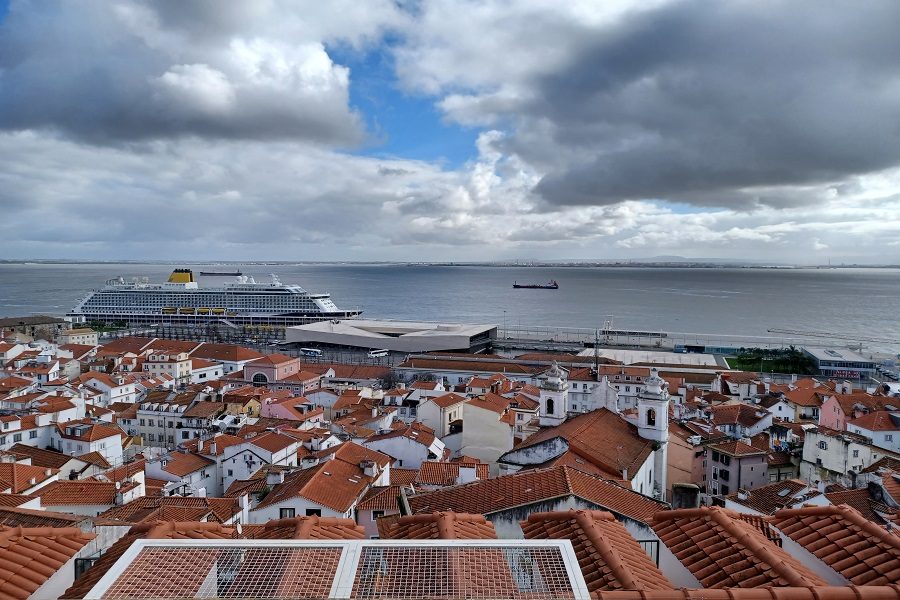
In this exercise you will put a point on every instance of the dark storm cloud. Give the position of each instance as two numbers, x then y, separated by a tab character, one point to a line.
106	72
704	101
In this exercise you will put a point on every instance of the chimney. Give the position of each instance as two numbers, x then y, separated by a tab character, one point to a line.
212	447
274	477
374	411
369	468
742	494
467	473
199	445
47	472
794	378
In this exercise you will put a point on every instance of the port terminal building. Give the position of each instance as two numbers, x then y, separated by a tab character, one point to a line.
396	336
840	363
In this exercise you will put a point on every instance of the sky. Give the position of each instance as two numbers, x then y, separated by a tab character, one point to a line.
450	130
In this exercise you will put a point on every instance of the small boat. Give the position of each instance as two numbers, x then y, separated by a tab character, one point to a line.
221	273
551	285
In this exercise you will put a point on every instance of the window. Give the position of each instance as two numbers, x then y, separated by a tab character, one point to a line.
723	475
17	437
856	454
627	388
32	434
823	445
286	513
651	417
716	473
152	437
313	512
184	435
725	489
726	460
141	421
888	437
550	407
574	407
230	473
377	514
715	456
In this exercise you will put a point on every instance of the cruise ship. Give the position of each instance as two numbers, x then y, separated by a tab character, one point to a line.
182	300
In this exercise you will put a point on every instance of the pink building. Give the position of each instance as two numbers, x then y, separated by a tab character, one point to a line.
838	409
270	368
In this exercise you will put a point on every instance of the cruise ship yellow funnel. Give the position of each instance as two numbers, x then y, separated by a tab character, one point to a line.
181	276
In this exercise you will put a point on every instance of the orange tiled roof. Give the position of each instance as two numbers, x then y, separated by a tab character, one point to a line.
403	476
31	556
155	530
272	442
740	414
311	528
609	557
878	421
737	448
184	463
858	549
603	438
17	477
173	508
335	484
226	352
16	516
533	486
383	498
723	551
78	492
861	501
440	526
415	431
445	473
40	457
447	400
774	496
90	432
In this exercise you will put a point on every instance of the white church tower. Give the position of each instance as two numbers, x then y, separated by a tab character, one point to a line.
554	395
653	424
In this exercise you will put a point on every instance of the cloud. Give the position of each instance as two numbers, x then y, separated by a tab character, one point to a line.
736	104
207	130
134	71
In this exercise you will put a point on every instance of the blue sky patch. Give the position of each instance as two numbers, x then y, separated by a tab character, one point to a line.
401	124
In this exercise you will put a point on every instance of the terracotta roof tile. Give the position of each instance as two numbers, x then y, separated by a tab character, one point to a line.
737	448
184	463
335	484
14	499
41	457
447	400
17	477
383	498
609	557
858	549
445	473
737	414
311	528
601	437
722	550
155	530
78	492
31	556
878	421
16	516
441	526
861	501
533	486
774	496
173	508
403	476
272	442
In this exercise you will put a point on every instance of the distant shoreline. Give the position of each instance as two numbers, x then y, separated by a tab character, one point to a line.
504	264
